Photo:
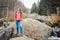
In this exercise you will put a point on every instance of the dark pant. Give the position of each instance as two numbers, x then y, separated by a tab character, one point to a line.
19	26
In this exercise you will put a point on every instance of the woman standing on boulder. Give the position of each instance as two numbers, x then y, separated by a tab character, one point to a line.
18	19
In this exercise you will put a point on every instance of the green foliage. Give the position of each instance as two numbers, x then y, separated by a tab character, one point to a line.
43	7
34	8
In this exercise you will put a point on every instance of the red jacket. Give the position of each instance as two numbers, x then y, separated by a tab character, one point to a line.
18	16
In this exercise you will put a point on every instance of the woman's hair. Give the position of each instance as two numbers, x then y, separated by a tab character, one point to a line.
18	10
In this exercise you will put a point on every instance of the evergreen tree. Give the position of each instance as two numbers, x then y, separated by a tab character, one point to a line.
44	6
34	8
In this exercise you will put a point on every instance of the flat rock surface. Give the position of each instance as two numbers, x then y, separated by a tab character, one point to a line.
35	29
21	38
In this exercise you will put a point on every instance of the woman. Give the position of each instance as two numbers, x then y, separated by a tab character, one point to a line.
18	19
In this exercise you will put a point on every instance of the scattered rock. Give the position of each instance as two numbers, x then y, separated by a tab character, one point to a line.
26	15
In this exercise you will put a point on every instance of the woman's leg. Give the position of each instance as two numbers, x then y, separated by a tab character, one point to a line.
17	26
21	29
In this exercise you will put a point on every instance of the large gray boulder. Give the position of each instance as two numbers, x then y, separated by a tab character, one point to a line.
35	29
